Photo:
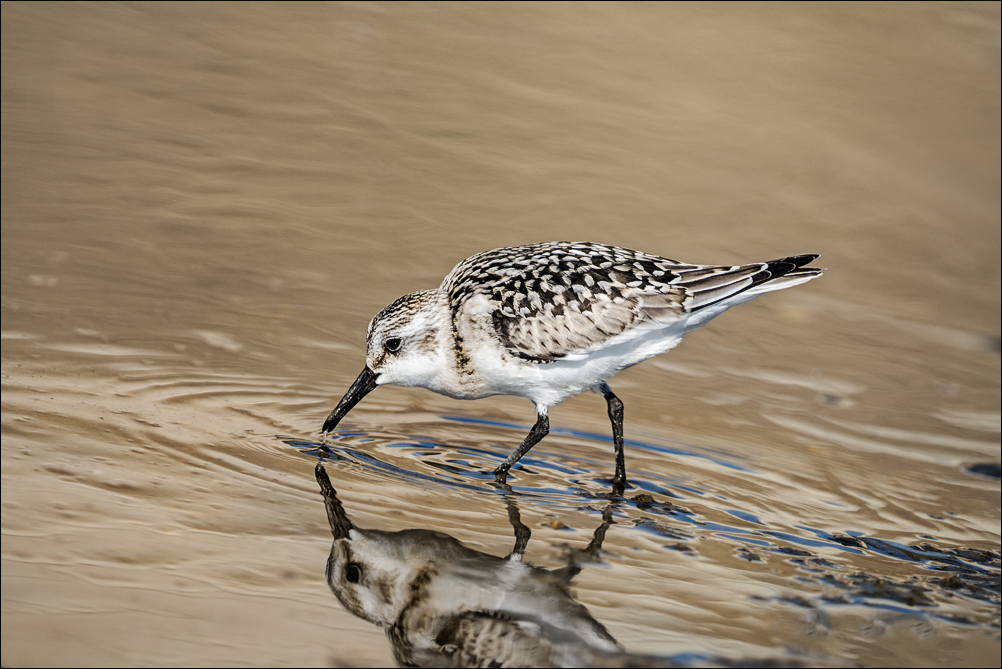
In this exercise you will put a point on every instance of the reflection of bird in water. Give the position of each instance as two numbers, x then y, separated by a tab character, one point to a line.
549	321
443	604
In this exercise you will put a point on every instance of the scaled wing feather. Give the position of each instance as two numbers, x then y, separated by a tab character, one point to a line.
563	300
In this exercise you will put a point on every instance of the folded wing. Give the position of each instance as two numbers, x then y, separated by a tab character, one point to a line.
567	299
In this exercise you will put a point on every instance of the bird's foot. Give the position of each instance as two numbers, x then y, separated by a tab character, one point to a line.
619	485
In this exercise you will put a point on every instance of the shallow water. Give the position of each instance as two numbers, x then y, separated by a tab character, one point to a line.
202	207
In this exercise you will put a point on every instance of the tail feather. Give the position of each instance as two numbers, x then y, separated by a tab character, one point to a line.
764	277
704	297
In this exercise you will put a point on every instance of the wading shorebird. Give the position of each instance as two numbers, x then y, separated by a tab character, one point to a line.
549	321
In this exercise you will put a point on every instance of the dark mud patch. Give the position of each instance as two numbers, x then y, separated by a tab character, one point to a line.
992	470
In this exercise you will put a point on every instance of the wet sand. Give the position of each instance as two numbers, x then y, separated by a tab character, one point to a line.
203	206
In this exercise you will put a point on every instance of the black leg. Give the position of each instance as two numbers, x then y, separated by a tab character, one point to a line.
616	416
538	431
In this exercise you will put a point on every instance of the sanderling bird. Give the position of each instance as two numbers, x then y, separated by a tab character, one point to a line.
549	321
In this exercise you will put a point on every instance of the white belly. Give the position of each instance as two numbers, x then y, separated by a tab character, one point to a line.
549	383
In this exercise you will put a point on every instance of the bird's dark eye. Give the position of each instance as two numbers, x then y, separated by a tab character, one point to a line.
353	573
393	344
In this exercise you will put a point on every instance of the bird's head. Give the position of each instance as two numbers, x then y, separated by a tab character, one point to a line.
404	345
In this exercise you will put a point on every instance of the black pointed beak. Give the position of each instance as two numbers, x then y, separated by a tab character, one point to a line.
338	519
364	384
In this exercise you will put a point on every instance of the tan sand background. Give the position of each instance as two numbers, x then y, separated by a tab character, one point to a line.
204	204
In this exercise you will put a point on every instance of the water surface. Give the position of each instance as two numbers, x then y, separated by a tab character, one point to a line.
203	206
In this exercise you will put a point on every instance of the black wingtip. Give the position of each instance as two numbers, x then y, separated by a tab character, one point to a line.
796	261
781	266
804	259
